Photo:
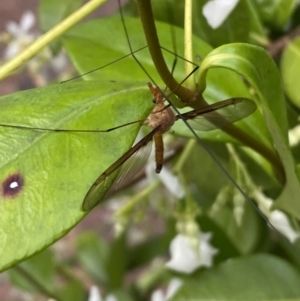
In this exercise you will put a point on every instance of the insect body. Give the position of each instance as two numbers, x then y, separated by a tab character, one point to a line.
161	119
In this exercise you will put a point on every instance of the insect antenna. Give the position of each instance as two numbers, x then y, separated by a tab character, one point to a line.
102	67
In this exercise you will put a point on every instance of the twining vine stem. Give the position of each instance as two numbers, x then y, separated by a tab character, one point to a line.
149	28
186	95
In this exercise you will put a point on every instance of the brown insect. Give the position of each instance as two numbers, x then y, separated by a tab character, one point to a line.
161	119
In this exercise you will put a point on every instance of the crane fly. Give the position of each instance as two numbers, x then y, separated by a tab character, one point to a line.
161	119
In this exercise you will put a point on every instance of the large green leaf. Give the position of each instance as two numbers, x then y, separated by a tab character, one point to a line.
257	278
54	170
256	66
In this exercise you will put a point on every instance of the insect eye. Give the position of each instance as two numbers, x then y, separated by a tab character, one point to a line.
153	100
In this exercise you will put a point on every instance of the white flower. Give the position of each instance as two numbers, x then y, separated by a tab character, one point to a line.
173	287
185	258
280	221
43	65
277	218
21	35
170	181
294	135
216	11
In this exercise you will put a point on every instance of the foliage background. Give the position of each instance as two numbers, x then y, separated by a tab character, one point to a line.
86	249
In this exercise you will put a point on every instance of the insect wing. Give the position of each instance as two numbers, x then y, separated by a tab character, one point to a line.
220	114
126	168
131	168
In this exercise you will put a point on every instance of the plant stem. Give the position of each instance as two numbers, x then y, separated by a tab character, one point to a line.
186	95
188	46
49	37
147	19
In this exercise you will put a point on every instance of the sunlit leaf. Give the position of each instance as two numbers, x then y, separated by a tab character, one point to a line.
52	171
255	65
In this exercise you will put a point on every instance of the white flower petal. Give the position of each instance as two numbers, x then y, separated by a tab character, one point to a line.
27	20
21	37
207	251
13	28
172	183
186	259
276	217
216	11
173	287
158	295
59	62
280	221
11	50
183	258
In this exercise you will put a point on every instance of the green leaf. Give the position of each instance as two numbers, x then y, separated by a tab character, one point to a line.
290	65
256	66
257	278
54	170
93	252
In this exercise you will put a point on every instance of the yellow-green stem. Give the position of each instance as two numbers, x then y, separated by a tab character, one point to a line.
147	19
188	45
